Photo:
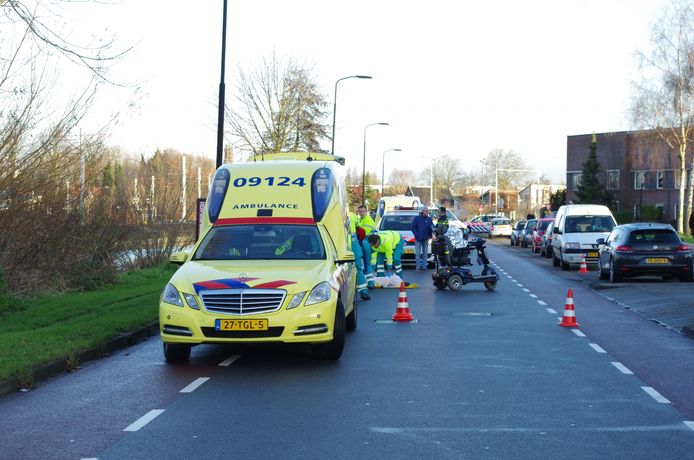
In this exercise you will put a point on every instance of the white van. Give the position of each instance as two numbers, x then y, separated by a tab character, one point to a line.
576	229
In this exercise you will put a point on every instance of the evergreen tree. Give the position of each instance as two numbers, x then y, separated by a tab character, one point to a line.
557	199
107	176
590	190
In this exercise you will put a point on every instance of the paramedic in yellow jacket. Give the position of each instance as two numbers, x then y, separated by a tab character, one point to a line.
386	247
362	287
367	226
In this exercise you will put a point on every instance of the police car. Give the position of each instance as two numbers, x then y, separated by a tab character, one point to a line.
481	224
400	220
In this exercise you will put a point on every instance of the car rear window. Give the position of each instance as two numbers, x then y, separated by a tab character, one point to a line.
588	224
520	225
399	223
654	236
543	224
501	222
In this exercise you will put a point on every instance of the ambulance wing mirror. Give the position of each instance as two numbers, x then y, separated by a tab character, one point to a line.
345	258
178	258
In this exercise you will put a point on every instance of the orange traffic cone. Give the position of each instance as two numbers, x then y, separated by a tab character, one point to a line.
569	318
402	313
583	268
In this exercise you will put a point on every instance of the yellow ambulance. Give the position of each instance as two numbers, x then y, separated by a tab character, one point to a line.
273	262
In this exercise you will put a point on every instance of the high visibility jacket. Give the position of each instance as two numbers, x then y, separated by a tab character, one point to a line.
389	239
367	223
284	247
353	219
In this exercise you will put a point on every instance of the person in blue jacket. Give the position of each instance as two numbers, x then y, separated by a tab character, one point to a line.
422	227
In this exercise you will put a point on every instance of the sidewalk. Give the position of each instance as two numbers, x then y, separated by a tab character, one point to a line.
669	303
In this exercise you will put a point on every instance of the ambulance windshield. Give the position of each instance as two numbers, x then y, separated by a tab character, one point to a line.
261	242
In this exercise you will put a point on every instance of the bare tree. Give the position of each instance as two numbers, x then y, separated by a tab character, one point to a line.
277	108
663	100
44	160
506	168
399	180
447	174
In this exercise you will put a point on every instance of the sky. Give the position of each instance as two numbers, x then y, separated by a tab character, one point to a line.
457	78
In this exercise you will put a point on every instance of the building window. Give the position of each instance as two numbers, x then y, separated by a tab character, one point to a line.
659	179
575	181
613	179
661	210
639	180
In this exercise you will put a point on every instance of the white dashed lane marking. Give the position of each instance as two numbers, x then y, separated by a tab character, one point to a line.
190	388
578	333
144	420
542	303
552	310
533	296
597	348
690	425
229	360
655	395
526	290
622	368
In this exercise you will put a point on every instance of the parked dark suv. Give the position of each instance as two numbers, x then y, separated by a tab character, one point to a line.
644	249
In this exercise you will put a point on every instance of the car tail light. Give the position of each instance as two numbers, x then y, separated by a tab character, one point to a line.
624	248
683	248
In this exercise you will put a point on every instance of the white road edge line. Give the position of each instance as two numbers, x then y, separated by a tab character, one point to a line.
622	368
655	395
578	333
541	302
144	420
597	348
229	360
552	310
689	424
190	388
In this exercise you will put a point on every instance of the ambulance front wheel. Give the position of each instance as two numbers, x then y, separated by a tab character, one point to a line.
332	350
455	282
175	353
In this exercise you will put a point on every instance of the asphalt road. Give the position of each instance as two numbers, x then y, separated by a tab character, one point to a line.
479	375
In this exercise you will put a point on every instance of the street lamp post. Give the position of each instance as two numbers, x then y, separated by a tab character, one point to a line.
383	167
363	167
332	148
220	114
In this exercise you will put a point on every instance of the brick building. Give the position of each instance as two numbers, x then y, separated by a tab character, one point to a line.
636	166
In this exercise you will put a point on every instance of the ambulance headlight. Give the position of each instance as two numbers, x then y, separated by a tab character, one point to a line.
318	294
296	300
192	303
171	295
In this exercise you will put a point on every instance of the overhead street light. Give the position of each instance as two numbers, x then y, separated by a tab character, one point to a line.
363	167
332	148
383	167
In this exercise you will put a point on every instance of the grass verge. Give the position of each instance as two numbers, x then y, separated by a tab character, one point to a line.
47	328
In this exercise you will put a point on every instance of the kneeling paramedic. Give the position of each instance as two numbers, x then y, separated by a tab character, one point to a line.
362	288
387	247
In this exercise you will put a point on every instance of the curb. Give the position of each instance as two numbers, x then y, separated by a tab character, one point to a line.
688	330
43	373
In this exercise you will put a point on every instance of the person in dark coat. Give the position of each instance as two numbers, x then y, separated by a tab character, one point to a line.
423	228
